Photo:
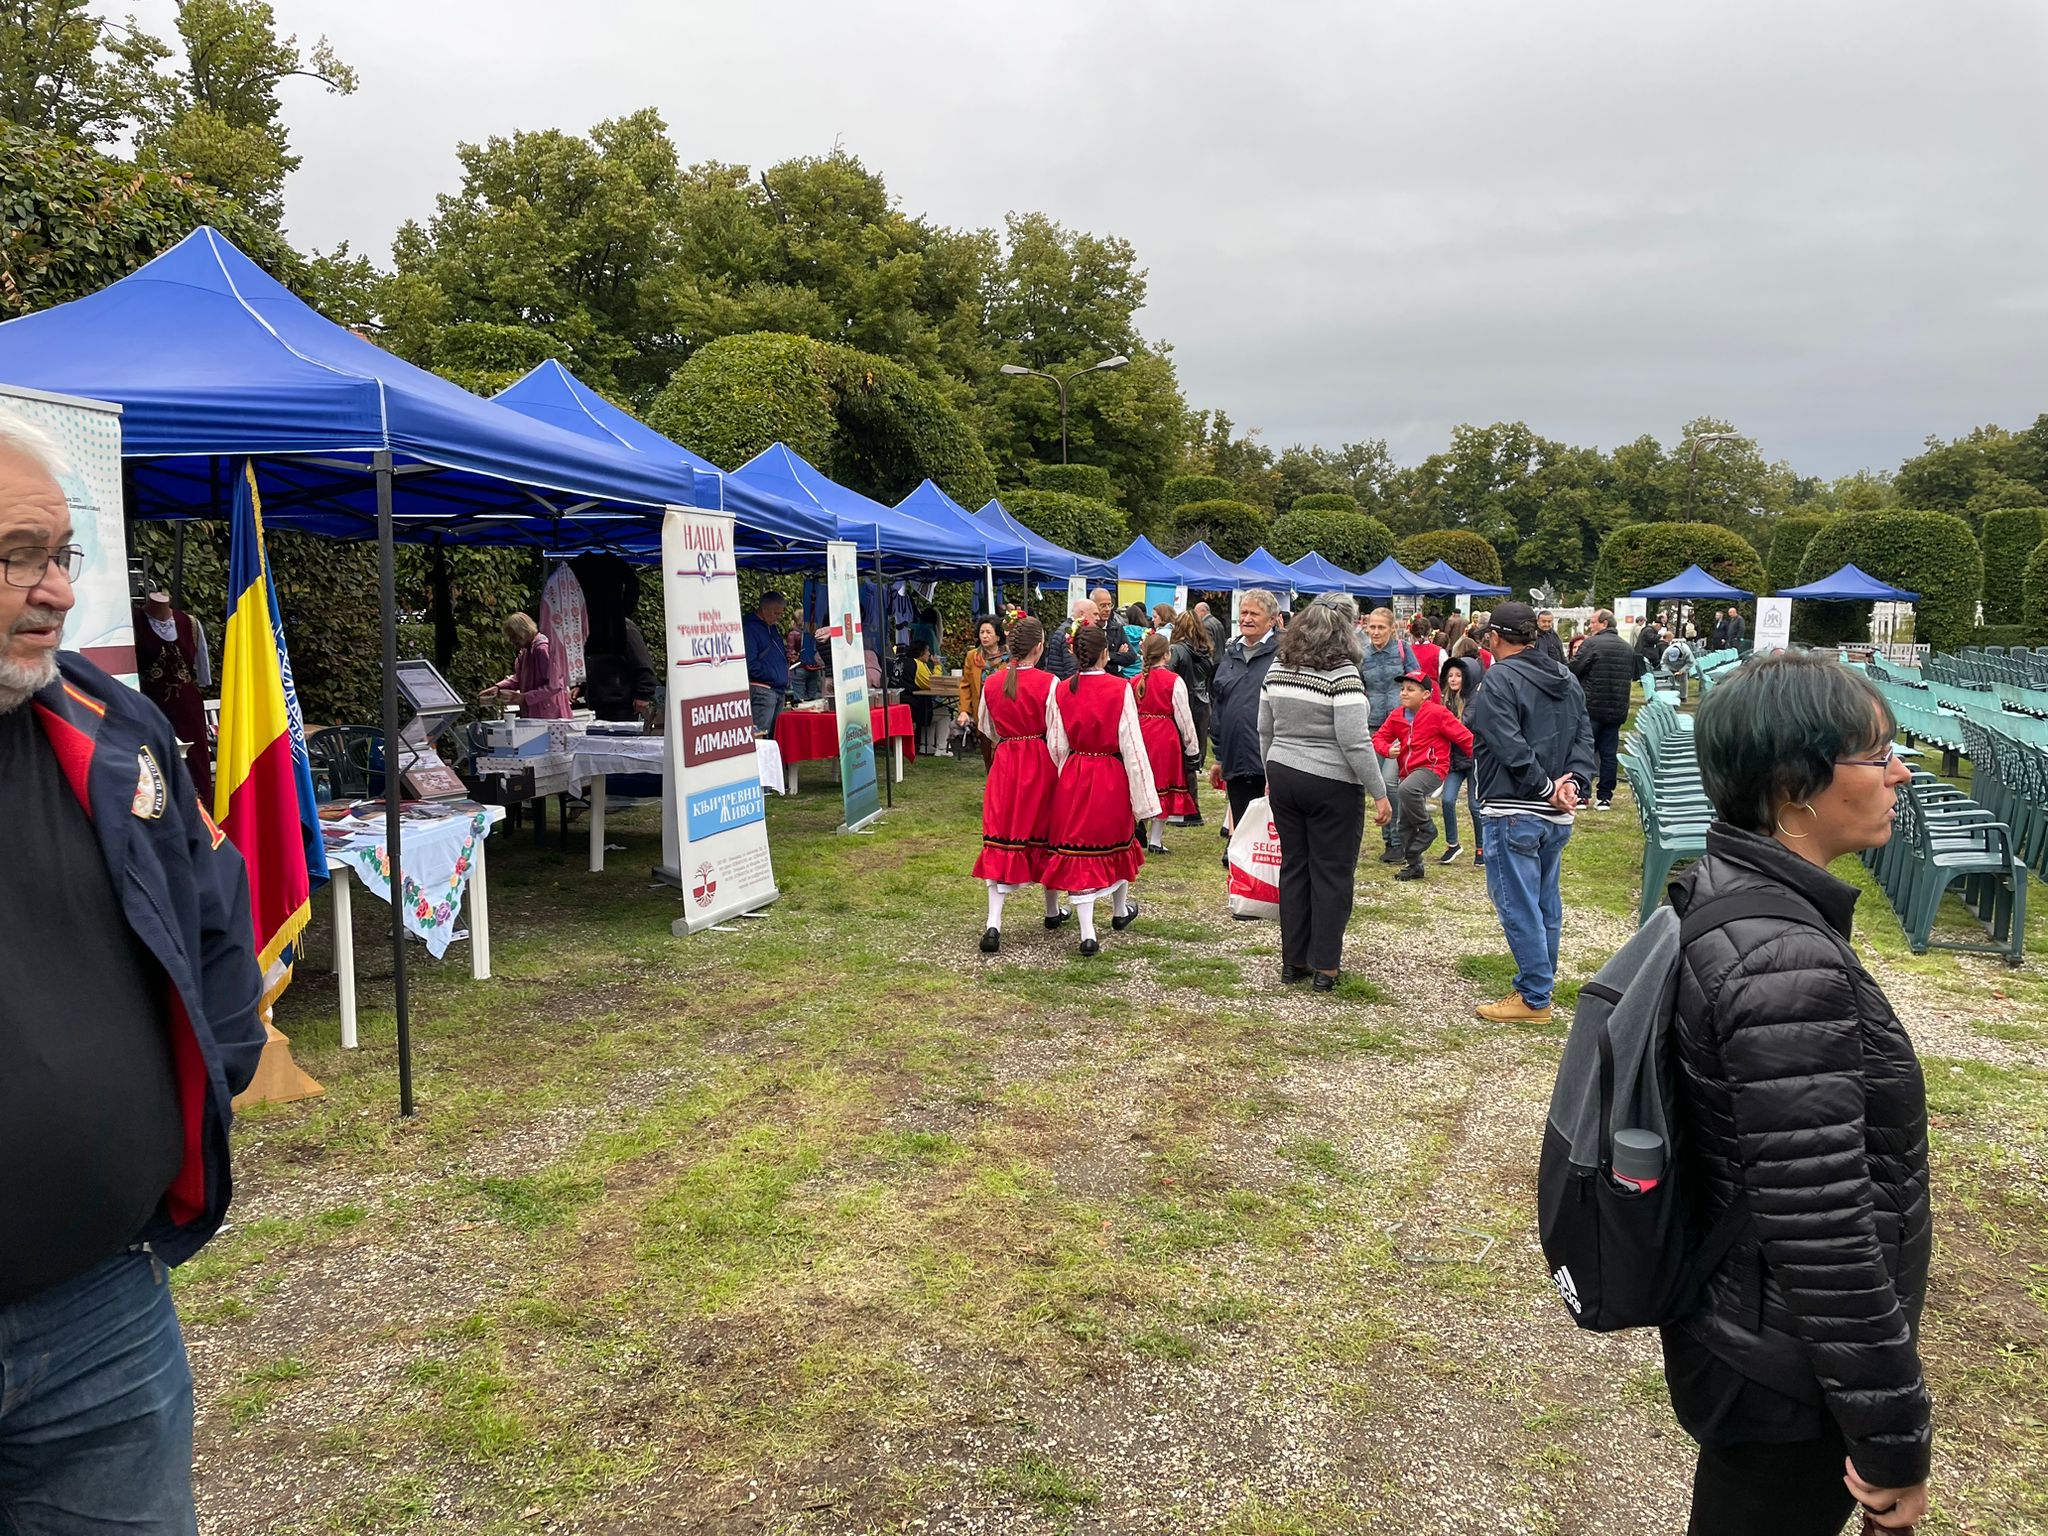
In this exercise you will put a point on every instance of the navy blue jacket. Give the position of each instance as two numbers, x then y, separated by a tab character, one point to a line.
1529	729
767	654
185	894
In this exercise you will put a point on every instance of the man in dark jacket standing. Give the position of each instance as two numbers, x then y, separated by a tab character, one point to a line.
767	662
1547	640
128	1020
1736	632
1532	754
1607	667
1234	698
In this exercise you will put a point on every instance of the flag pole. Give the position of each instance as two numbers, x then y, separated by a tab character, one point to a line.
394	790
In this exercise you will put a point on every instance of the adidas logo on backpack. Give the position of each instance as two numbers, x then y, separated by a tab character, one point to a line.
1623	1254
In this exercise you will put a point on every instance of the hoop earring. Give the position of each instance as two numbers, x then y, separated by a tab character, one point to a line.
1784	831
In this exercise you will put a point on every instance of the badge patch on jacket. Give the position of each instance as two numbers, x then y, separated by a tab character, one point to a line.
151	793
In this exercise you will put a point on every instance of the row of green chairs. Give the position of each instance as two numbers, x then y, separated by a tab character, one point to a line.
1943	840
1663	775
2009	758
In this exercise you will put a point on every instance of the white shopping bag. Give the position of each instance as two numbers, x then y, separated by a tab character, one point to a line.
1255	863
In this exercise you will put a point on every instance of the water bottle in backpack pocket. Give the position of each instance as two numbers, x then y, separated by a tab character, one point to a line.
1619	1233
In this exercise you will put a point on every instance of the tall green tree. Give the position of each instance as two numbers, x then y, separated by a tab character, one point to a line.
66	72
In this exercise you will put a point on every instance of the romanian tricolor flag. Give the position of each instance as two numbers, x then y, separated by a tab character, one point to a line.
263	781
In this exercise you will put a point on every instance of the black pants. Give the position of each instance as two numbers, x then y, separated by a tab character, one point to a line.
1793	1489
1242	792
1606	743
1416	830
1199	709
1320	823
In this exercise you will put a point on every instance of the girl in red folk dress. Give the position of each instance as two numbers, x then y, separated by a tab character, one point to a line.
1105	789
1016	803
1168	725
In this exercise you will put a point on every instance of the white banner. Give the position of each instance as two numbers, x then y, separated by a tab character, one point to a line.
860	790
714	817
101	624
1773	624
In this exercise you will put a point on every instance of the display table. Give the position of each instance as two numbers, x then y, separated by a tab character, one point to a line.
592	757
812	736
443	854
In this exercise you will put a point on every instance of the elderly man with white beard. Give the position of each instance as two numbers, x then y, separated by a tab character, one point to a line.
128	1020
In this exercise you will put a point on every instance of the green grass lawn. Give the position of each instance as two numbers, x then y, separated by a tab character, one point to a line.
833	1224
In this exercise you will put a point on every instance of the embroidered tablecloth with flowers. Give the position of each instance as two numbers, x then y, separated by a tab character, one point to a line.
439	850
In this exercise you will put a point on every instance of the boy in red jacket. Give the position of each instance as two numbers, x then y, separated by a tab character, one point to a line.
1419	734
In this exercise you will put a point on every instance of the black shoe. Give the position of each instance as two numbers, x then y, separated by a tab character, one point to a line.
1152	848
1192	820
1090	949
1058	919
1118	924
1291	975
1393	856
991	941
1479	861
1451	853
1409	871
1324	983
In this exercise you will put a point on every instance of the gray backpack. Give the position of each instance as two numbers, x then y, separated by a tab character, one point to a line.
1619	1255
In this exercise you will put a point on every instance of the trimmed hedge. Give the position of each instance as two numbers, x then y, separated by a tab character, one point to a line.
1183	489
1464	550
1643	554
1326	501
2010	536
2034	586
2007	635
866	422
1079	523
1233	528
1789	537
1926	552
1090	480
1350	540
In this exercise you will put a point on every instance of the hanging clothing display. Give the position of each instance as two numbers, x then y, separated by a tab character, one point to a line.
565	620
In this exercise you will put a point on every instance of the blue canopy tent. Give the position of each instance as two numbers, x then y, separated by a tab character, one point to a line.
1313	574
1141	562
764	525
1447	579
1207	570
1390	578
929	504
214	363
1851	585
1042	556
1691	585
900	542
1261	568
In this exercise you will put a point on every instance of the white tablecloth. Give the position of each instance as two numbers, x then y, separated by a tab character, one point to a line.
590	756
439	841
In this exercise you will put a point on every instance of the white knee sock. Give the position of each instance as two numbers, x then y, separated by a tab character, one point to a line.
1084	908
1052	903
1120	897
996	892
1155	832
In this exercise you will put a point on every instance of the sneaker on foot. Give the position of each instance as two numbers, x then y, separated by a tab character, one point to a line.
1393	856
1411	871
1512	1010
1450	854
1603	805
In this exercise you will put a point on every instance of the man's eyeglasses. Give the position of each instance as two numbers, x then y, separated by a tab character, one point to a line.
26	567
1891	755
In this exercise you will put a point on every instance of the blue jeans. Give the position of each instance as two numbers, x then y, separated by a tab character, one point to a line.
1523	854
1461	779
808	683
767	704
96	1407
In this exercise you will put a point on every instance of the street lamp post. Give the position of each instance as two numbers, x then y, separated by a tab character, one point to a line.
1060	384
1705	439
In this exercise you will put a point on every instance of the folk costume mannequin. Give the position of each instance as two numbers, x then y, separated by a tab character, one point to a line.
1105	789
171	664
1166	718
1016	805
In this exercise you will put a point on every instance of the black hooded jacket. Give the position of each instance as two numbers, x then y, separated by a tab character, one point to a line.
1529	729
1797	1084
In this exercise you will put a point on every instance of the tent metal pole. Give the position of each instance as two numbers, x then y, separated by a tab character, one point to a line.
178	566
394	791
882	623
990	570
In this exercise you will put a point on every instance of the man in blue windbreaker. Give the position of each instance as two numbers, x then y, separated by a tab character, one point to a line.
129	999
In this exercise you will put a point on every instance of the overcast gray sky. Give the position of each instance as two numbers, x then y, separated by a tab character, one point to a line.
1822	220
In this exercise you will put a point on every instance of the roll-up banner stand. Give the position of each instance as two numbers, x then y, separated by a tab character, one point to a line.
714	824
859	789
1773	624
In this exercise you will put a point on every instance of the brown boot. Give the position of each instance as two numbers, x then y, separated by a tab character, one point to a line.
1512	1010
